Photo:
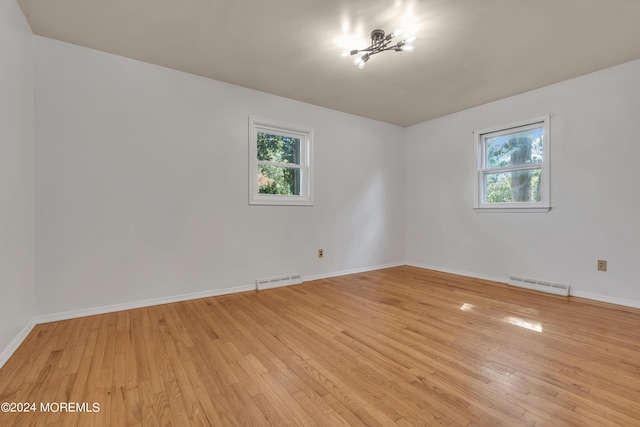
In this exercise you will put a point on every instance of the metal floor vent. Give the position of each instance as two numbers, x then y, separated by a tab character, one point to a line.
537	285
276	282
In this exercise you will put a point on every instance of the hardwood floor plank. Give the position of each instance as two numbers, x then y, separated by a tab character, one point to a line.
319	411
271	415
395	347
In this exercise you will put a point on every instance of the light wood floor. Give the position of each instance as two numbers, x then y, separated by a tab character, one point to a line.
396	347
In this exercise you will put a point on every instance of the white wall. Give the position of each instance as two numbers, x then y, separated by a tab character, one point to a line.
16	179
595	149
142	192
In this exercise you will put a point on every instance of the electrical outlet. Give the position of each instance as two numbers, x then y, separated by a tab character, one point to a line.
320	253
602	265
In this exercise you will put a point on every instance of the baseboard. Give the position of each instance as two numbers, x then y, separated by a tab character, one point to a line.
140	304
13	345
607	299
572	293
460	272
352	271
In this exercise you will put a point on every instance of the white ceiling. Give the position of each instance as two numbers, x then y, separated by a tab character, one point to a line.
468	52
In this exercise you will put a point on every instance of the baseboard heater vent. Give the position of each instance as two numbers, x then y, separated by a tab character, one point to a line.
276	282
537	285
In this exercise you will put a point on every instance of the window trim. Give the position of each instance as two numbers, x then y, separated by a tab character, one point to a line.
544	205
305	134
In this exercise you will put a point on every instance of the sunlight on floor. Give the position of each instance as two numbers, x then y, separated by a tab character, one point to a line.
527	324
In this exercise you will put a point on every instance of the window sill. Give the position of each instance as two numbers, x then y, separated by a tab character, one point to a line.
280	201
514	210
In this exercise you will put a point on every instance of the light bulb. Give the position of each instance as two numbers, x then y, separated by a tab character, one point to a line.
410	39
349	53
361	65
358	61
408	48
398	32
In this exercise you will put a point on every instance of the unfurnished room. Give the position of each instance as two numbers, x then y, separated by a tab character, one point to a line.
319	213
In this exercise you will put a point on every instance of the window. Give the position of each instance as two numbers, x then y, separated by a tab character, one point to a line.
513	167
279	163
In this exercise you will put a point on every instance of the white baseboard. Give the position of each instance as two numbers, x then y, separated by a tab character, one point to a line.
13	345
459	272
54	317
572	292
607	299
352	271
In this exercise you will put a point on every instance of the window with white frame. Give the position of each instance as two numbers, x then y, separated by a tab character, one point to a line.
513	167
279	163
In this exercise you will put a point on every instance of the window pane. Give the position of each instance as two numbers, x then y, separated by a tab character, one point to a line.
278	148
278	180
508	187
516	148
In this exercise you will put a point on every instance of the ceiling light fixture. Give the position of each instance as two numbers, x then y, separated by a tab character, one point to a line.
381	43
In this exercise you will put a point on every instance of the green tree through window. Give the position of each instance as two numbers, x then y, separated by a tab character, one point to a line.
280	163
282	150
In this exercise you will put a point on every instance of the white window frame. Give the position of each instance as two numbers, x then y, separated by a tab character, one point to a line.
544	205
305	135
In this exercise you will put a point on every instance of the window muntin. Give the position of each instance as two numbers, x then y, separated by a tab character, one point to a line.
280	163
513	167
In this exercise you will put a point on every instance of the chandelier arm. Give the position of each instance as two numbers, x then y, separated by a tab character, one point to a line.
394	47
380	46
373	50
